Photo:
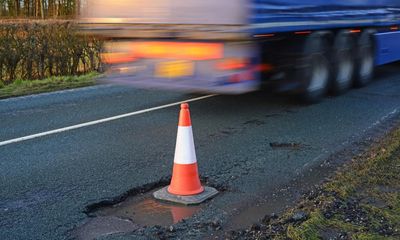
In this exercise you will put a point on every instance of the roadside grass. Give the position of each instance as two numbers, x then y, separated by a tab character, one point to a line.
361	202
27	87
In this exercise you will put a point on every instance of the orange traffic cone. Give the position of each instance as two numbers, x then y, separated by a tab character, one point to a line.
185	176
185	184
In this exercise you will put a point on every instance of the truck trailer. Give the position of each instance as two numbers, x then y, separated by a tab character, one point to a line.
308	47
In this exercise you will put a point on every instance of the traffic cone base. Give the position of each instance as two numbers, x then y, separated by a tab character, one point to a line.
164	195
185	184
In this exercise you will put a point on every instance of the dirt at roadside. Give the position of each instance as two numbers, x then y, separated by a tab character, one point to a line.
362	201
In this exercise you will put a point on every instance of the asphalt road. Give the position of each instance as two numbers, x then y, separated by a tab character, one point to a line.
47	182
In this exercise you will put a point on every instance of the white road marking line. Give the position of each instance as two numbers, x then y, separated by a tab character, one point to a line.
60	130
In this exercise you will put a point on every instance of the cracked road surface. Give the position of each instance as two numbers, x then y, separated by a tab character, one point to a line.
247	145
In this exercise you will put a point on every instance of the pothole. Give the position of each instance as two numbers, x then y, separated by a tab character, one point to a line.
136	209
146	211
133	213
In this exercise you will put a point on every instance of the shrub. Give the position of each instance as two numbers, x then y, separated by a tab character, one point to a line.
40	49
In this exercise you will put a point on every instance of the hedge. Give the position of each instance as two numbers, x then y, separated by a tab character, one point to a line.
40	49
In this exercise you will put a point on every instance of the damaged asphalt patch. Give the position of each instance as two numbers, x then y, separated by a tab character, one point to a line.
137	210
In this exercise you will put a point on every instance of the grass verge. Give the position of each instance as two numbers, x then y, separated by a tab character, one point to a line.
362	201
27	87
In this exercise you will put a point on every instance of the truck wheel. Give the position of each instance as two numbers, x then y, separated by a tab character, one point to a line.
313	69
343	63
365	60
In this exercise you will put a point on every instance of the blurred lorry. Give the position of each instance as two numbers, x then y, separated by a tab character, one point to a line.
309	47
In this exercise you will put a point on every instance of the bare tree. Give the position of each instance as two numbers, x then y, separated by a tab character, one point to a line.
39	8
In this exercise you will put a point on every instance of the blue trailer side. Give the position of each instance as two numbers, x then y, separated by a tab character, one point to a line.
270	16
387	47
346	38
274	16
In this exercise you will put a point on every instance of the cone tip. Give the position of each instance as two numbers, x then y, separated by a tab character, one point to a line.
184	106
184	116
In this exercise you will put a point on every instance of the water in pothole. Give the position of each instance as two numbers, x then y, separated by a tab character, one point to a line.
131	214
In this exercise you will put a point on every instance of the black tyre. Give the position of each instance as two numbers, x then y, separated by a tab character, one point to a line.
313	68
365	60
343	63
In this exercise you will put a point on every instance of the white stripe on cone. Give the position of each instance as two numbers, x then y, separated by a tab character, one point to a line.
185	152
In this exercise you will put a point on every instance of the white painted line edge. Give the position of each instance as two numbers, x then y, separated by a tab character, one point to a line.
60	130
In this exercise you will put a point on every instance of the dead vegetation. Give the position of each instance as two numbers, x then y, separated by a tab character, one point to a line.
42	49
